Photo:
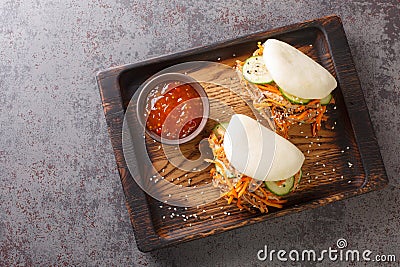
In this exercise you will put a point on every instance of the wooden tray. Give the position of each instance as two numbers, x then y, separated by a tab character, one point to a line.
343	161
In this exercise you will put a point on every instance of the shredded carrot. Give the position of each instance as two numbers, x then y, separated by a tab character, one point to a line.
317	124
266	202
280	201
274	101
226	178
238	204
301	116
230	199
313	102
243	189
260	48
234	193
281	182
264	192
270	88
238	185
300	108
262	105
240	63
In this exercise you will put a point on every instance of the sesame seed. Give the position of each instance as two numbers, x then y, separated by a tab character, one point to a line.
347	147
161	206
349	182
333	169
317	156
350	164
163	217
342	151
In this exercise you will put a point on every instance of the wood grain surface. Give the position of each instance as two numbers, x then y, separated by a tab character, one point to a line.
343	161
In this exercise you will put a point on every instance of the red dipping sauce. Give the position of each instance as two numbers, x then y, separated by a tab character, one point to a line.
175	110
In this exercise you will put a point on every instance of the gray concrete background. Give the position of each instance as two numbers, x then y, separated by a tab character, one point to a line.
61	201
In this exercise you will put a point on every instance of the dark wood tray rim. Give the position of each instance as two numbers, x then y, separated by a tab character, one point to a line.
331	26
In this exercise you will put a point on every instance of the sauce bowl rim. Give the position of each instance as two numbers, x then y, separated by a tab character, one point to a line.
165	77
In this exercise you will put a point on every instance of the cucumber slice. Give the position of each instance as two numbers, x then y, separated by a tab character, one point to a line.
294	99
219	129
300	176
255	71
280	190
326	100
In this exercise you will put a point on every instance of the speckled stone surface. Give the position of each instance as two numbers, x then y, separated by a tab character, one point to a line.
61	200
